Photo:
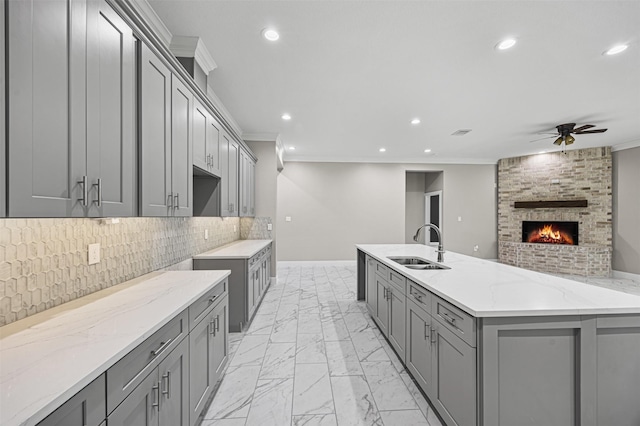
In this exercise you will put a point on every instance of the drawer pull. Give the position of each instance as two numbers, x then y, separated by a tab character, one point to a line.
167	390
449	319
211	299
156	393
162	347
417	296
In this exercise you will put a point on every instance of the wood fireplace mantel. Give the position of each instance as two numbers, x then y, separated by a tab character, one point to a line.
550	204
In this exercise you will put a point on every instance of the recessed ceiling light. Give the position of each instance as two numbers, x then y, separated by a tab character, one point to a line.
616	49
270	34
292	148
415	121
506	44
382	149
427	151
286	116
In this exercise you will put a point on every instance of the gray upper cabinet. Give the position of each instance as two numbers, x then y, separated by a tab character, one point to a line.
3	160
181	157
68	64
166	127
110	112
200	118
206	140
229	154
246	184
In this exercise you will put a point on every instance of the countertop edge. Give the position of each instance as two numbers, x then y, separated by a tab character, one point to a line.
50	406
219	252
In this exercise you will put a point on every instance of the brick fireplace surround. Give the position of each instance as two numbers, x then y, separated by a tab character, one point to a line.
578	174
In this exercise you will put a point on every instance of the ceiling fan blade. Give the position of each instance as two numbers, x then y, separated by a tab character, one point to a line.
546	137
591	131
581	128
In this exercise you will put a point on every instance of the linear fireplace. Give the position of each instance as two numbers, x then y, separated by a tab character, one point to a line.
550	232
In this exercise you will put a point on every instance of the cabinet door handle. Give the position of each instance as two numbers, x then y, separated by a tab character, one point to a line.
433	335
208	159
85	191
170	200
212	326
98	201
156	394
162	347
449	319
426	331
217	323
177	200
167	390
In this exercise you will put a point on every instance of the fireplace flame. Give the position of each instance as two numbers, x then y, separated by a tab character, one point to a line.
548	235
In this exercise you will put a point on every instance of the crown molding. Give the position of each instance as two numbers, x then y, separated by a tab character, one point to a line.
289	157
261	137
626	145
153	20
193	47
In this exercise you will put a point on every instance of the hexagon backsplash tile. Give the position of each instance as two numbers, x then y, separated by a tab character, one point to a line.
43	262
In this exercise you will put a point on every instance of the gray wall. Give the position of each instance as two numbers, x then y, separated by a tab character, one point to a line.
414	205
266	188
626	210
334	206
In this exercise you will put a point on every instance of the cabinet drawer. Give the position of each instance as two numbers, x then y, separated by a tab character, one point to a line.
398	281
198	309
381	270
459	322
127	373
419	295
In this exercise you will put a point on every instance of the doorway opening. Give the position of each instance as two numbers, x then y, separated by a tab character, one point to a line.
433	213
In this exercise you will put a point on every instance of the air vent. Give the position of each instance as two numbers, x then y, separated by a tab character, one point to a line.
460	132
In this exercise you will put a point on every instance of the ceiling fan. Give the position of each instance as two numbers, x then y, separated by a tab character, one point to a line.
565	131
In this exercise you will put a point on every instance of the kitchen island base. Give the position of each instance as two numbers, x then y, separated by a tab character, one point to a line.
537	369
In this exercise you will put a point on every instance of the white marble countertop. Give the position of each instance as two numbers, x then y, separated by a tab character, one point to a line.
490	289
48	358
242	249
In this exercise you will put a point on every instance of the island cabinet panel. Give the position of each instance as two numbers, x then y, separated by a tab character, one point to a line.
419	356
370	287
618	370
453	384
382	305
397	321
86	408
530	368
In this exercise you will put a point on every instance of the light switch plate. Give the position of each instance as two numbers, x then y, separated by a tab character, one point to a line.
94	253
269	227
206	234
287	218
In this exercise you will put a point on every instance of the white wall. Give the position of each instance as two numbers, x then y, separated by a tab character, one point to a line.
626	210
334	206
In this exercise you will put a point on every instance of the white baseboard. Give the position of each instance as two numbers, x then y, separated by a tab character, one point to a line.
290	263
626	275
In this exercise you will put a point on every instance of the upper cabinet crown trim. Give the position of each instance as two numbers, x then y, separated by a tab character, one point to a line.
193	47
154	21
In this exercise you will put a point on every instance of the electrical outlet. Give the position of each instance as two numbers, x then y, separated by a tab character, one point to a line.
476	248
459	218
206	234
287	218
269	227
94	253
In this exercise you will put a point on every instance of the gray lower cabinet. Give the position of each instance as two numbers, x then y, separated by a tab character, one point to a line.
71	110
453	380
208	352
382	304
391	313
161	399
86	408
418	349
371	290
248	282
166	130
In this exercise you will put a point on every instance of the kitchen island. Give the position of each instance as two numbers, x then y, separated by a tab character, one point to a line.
491	344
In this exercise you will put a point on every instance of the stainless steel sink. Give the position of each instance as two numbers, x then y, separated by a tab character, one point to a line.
417	263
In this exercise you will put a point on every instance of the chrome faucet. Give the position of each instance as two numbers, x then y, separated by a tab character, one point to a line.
438	233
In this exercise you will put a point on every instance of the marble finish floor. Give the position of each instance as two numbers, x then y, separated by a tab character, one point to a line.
313	356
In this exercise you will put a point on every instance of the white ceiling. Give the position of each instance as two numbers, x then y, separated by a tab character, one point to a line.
353	74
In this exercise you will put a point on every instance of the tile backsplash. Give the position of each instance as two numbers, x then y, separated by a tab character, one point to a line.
43	262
